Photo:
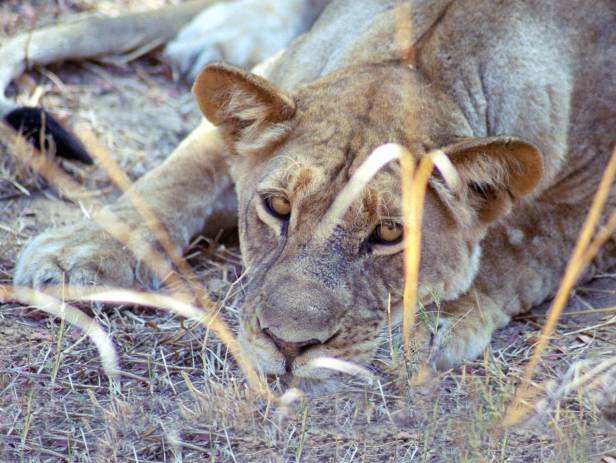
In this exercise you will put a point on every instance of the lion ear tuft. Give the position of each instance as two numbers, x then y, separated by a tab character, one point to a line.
245	106
495	172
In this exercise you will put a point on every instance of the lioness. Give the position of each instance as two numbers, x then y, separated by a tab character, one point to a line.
520	95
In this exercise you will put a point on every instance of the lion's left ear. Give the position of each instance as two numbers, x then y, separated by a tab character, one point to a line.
495	172
245	106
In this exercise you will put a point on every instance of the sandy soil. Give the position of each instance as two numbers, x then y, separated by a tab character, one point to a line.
182	397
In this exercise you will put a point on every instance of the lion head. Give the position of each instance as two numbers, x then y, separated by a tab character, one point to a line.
313	294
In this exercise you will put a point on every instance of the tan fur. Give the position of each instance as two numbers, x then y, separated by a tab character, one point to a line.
519	95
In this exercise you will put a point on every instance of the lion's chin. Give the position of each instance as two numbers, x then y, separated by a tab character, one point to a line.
316	371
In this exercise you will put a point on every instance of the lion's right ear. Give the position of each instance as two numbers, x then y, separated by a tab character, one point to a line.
250	111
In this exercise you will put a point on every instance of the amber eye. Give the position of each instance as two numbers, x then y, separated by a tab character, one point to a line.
279	206
387	233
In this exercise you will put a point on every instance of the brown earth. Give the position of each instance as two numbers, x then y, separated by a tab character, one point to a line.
181	396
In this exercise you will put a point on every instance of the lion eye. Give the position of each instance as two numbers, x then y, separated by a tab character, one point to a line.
387	233
279	206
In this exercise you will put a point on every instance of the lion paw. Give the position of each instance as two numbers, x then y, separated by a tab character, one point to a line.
241	32
76	255
457	341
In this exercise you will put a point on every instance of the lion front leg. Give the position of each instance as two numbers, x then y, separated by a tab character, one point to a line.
121	247
464	329
523	260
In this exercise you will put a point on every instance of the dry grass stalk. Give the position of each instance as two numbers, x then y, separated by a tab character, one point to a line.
64	311
343	366
26	156
601	237
403	33
16	178
413	194
572	313
184	309
120	179
583	252
378	159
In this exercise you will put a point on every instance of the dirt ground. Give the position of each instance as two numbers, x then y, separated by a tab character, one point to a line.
181	396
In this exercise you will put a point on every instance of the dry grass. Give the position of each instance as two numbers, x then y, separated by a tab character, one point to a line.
180	395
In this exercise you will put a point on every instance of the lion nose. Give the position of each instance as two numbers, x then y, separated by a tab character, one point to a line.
292	349
298	313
